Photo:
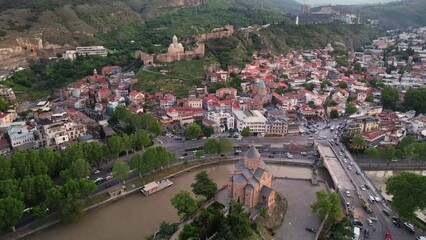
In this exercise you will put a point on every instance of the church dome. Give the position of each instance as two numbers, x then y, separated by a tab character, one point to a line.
252	153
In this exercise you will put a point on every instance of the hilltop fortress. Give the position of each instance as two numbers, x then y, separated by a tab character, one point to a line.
176	51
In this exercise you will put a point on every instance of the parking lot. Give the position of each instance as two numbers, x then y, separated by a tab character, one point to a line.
300	195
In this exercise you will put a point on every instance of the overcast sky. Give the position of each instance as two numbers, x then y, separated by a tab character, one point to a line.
346	2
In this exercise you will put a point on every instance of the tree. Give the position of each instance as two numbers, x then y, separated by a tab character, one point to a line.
407	140
184	204
115	145
208	131
80	168
193	131
343	85
369	98
415	99
357	67
408	191
387	153
121	170
350	108
225	145
238	221
372	153
358	140
167	229
327	204
94	152
389	96
245	132
141	140
211	146
127	143
11	210
139	164
203	185
350	98
334	114
6	170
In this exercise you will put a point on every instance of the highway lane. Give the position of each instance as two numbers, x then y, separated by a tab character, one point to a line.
384	224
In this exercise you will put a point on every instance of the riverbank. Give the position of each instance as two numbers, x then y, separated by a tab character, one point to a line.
133	185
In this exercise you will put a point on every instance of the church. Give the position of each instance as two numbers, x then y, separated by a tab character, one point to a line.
251	183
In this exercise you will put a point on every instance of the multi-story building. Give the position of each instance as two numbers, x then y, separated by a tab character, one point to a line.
276	127
224	120
21	137
252	119
56	133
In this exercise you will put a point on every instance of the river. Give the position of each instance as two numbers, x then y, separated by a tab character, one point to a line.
136	216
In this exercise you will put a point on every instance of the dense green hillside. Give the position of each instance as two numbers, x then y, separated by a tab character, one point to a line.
155	35
76	21
399	14
283	37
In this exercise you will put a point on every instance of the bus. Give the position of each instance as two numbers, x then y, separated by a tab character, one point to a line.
99	180
357	233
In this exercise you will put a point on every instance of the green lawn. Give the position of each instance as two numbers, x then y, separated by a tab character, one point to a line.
179	79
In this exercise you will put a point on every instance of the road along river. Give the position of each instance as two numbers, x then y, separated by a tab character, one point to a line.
136	216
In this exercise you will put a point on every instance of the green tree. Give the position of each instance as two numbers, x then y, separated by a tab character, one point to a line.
127	143
139	164
184	204
208	131
141	140
11	188
407	140
94	152
80	168
372	153
408	192
121	170
350	98
115	145
357	67
369	98
225	145
389	96
387	153
167	229
350	108
11	210
245	132
6	169
211	146
343	85
327	204
204	186
415	99
238	221
193	131
334	114
358	140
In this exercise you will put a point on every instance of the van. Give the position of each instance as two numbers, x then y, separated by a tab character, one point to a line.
371	198
386	212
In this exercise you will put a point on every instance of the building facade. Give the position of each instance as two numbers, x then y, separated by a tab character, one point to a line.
251	183
252	119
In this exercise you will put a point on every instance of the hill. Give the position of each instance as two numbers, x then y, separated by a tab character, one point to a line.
398	14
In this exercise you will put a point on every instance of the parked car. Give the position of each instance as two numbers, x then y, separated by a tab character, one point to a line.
386	212
387	236
348	194
312	230
366	233
397	223
109	177
97	171
409	227
369	222
362	187
366	186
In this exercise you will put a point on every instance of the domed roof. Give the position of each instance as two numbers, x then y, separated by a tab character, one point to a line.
252	153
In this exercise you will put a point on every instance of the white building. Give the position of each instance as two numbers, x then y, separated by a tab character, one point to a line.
89	50
252	119
60	132
224	120
22	138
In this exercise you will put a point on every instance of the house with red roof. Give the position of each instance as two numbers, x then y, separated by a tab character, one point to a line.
108	70
136	96
374	137
307	111
104	94
168	100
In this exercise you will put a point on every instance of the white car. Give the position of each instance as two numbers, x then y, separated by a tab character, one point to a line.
238	151
362	187
109	177
97	171
369	222
348	194
344	160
